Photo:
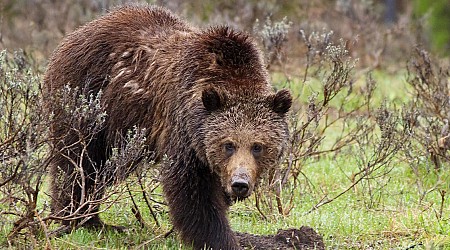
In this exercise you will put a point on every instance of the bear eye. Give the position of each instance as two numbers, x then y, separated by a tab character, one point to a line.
229	148
257	149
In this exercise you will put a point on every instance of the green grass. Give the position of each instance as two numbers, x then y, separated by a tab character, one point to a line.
397	220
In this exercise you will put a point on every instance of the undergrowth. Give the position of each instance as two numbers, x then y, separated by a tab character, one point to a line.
367	165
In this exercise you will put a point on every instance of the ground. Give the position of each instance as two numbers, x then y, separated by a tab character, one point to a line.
293	238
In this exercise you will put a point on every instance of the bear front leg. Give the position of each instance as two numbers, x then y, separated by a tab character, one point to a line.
198	206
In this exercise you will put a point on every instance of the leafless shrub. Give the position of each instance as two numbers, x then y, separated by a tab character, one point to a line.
23	146
427	117
316	43
26	151
124	161
376	152
430	109
311	121
85	183
273	37
339	117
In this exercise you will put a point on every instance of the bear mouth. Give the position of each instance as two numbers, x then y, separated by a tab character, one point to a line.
237	198
231	198
237	194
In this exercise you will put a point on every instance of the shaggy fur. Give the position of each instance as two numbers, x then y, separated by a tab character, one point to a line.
203	96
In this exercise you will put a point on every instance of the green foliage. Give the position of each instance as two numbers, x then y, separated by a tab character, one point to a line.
438	21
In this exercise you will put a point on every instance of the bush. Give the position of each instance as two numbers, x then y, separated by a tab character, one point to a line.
23	145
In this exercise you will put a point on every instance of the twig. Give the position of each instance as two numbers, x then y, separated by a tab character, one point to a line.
169	233
258	207
324	202
16	169
48	245
441	208
147	201
135	209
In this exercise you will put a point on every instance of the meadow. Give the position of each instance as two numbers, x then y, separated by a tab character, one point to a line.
367	167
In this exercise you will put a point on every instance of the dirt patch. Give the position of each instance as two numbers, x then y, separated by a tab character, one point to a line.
303	238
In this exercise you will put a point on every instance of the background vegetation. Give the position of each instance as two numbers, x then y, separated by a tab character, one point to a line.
368	166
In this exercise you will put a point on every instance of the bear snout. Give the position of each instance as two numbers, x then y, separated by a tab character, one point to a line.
240	188
241	184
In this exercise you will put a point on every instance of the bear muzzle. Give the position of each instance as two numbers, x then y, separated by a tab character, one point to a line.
241	183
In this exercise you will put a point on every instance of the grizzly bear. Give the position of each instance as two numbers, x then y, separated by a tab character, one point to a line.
203	97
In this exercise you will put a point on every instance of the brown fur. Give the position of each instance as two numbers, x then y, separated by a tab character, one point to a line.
196	91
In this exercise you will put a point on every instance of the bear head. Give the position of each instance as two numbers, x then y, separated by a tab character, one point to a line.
244	137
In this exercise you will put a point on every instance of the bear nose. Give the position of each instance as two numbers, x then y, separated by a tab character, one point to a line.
240	188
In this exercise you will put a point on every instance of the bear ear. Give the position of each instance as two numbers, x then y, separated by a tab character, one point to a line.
211	99
282	101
